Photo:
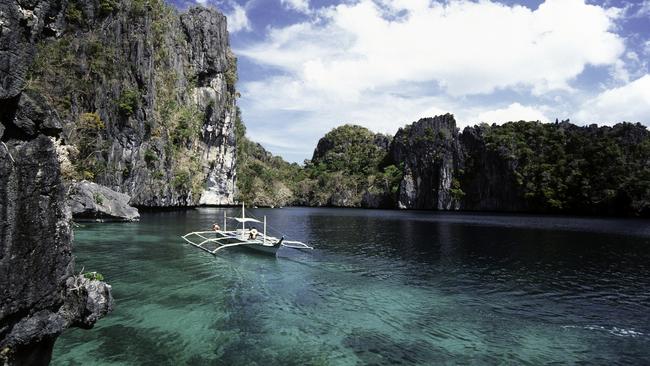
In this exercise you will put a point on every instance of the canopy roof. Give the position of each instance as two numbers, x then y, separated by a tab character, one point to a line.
246	219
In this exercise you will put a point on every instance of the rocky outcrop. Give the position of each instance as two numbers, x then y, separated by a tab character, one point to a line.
524	167
92	202
147	98
23	24
488	180
429	152
40	295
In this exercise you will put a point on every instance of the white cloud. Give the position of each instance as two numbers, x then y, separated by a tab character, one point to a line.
467	47
238	19
305	114
644	9
384	63
297	5
630	103
513	112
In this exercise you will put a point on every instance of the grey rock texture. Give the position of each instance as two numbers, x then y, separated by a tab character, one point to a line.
39	293
89	201
430	154
22	24
33	116
162	84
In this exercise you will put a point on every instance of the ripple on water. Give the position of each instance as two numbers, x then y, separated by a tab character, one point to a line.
383	287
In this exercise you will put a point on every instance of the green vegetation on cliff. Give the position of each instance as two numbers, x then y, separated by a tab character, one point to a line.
563	167
520	166
70	71
348	169
263	179
146	73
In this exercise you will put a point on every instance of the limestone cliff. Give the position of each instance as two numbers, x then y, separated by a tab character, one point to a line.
40	295
524	167
429	164
429	153
146	97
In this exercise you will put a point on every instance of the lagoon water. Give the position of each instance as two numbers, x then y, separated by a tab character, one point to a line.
381	287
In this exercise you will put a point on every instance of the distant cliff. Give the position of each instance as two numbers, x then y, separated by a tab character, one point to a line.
146	97
348	169
515	167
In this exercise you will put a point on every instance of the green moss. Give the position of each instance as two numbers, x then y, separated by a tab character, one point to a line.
456	192
128	101
150	157
188	125
231	71
107	6
94	276
73	13
87	175
126	172
181	180
99	198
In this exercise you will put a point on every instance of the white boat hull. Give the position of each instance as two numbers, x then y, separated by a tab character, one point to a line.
267	249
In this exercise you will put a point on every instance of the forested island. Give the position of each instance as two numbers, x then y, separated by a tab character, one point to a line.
430	164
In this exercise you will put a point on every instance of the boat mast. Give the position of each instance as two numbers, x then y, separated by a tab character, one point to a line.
243	222
264	240
224	221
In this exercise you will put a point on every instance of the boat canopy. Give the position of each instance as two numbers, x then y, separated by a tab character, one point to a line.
246	219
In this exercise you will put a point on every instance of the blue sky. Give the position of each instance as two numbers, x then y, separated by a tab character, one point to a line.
306	66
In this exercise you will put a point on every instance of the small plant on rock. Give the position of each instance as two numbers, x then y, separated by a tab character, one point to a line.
94	276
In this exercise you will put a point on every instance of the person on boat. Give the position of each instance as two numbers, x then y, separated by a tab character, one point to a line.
216	227
253	234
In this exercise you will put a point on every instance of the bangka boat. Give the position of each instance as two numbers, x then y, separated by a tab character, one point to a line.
216	240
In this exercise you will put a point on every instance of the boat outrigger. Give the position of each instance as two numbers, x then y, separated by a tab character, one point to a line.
221	238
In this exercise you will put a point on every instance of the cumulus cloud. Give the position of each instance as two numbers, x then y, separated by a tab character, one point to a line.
630	103
466	47
308	113
238	19
383	63
513	112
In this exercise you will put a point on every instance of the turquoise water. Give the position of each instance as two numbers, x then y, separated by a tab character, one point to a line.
382	287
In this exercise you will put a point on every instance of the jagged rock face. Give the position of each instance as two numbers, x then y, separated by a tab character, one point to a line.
429	152
161	85
39	295
36	263
524	167
92	202
22	24
488	180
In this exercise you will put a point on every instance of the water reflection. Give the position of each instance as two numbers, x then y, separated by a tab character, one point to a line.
382	287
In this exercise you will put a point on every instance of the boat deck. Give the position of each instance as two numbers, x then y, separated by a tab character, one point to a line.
214	241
